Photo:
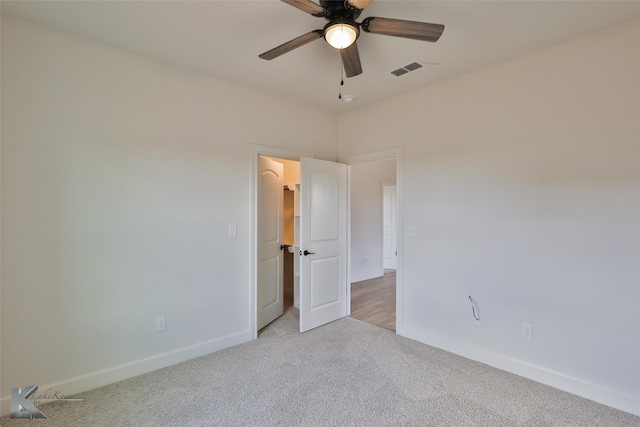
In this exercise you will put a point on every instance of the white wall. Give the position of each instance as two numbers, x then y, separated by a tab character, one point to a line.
120	176
366	217
523	181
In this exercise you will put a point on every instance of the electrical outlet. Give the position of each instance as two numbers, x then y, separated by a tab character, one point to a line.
233	231
363	261
412	230
527	331
161	323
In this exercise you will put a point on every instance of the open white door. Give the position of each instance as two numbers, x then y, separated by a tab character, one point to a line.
270	256
323	242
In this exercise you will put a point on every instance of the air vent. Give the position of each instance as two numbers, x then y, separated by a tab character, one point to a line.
399	72
406	69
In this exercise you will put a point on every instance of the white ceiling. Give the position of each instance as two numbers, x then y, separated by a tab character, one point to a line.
224	39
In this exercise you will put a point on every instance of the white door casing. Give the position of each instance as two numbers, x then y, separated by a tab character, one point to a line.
270	279
323	234
389	226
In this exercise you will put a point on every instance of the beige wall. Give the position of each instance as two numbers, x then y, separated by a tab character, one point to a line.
120	177
523	182
291	171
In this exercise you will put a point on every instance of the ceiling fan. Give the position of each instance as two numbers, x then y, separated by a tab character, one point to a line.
342	30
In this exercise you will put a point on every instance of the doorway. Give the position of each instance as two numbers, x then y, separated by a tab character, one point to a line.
257	152
323	231
395	155
277	233
375	215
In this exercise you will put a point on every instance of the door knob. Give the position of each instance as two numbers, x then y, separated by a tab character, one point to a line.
282	247
306	252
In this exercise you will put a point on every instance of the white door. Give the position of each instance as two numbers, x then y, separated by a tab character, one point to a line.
389	226
323	238
270	255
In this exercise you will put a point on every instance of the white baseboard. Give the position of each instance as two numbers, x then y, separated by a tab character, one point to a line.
111	375
595	392
360	277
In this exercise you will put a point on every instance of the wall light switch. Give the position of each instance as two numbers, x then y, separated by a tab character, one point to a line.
412	230
161	323
527	331
233	231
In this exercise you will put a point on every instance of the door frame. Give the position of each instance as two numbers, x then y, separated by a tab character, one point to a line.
396	154
256	152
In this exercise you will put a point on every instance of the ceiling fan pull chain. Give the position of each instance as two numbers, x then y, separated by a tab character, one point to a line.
341	82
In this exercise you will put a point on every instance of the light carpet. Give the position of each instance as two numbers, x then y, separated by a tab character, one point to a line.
347	373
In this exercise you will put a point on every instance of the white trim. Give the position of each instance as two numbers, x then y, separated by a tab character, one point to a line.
349	240
257	151
393	153
128	370
573	385
396	154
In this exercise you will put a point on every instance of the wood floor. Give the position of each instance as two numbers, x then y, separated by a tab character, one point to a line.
374	301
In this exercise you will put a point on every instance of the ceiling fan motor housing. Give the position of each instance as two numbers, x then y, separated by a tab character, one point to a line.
339	8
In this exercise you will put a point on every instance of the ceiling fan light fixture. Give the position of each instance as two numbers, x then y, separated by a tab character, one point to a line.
341	34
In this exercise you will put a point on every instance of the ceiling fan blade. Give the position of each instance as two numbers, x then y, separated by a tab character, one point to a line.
292	44
359	4
351	60
401	28
307	6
